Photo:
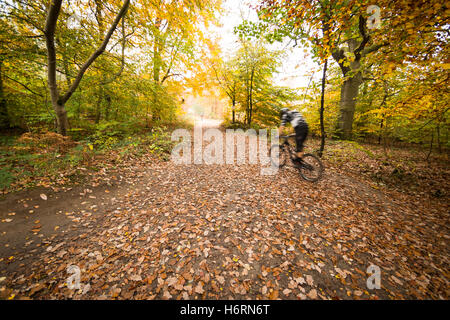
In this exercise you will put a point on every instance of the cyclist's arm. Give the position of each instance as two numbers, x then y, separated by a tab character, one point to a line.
284	119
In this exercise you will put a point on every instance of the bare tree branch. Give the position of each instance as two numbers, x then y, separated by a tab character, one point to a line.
23	85
96	54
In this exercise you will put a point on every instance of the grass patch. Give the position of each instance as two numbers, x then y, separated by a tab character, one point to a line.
34	159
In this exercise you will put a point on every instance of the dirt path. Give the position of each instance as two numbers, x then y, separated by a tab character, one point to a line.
222	232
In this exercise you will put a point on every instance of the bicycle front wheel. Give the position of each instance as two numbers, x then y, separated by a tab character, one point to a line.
312	168
278	155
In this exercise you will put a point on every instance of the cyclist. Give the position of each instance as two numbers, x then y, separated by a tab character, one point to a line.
300	126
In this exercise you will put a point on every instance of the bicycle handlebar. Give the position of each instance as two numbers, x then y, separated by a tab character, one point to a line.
288	136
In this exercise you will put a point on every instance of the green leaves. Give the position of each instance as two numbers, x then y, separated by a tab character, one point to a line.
247	80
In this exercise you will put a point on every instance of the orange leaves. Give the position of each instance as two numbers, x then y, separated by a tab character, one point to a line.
273	295
302	241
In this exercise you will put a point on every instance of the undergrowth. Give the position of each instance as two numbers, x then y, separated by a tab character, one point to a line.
34	159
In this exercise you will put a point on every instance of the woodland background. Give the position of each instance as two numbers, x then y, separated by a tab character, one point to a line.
90	80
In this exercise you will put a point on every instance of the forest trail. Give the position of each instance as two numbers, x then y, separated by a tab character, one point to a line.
165	231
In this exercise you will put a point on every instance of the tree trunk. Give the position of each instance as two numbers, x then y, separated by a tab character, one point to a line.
350	68
234	110
438	131
349	93
78	109
157	62
383	103
98	109
58	100
431	146
250	98
101	31
157	50
61	118
322	107
381	131
4	117
108	106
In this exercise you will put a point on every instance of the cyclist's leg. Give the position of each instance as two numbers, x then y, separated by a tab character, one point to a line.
301	132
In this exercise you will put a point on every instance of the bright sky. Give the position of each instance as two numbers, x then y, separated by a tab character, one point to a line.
297	68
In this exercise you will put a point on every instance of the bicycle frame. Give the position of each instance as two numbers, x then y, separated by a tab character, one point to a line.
300	165
285	142
292	153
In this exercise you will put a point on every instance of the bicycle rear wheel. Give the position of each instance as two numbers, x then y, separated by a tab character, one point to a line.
312	168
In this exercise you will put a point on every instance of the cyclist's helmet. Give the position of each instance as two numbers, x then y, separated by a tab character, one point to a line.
283	111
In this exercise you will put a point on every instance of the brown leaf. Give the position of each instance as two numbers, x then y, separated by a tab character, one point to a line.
199	288
312	294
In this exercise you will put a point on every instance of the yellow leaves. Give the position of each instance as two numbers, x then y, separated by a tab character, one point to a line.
437	6
350	56
410	28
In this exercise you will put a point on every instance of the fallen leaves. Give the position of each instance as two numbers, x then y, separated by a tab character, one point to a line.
286	292
36	289
309	280
273	295
135	277
199	288
223	233
396	280
167	295
358	293
312	294
264	290
36	229
220	279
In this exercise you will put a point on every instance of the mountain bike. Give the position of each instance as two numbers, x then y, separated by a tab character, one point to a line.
310	168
